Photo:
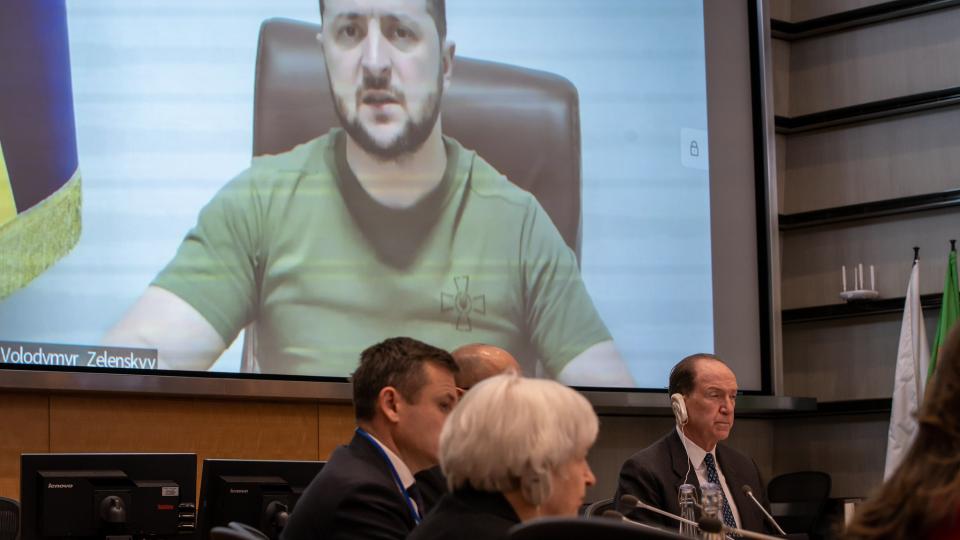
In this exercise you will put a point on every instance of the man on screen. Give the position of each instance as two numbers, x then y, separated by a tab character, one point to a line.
382	227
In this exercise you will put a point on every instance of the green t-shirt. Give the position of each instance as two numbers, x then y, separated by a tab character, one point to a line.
297	246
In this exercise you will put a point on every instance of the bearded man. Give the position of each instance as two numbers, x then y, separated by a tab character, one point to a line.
354	236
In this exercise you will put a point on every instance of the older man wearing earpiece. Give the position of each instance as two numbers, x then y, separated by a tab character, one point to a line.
703	393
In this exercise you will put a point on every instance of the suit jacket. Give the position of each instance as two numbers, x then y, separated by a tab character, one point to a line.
354	496
433	486
468	514
654	476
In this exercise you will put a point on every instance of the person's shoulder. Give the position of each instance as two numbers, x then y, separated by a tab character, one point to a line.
346	481
353	465
662	445
453	516
278	175
302	158
342	497
736	461
731	452
656	452
486	182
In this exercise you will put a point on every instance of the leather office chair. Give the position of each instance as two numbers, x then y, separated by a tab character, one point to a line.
526	123
596	509
236	531
580	528
798	501
9	519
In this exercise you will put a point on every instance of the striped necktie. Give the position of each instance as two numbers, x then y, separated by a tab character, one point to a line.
712	476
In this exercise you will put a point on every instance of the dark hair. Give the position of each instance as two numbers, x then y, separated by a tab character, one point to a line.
683	375
396	362
436	8
924	492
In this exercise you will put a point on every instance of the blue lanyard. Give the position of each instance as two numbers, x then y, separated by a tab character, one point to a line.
414	511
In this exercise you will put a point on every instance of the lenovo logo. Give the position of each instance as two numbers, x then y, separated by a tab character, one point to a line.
239	491
59	486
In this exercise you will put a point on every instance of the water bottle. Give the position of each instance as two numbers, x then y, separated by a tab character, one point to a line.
711	500
688	510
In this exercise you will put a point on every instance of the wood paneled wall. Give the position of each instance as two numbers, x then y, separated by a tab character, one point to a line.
801	10
25	427
812	257
849	68
898	157
211	428
842	360
901	156
850	448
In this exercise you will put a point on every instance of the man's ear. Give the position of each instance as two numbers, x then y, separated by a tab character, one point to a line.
320	43
449	50
388	401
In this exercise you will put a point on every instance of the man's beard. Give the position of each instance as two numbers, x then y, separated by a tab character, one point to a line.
410	139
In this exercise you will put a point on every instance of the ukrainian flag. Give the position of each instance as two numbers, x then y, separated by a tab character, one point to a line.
39	175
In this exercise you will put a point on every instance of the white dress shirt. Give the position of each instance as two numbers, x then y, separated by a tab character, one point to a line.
406	477
696	456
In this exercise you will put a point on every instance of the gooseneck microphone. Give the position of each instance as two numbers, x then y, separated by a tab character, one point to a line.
631	501
617	516
714	525
705	524
613	514
749	493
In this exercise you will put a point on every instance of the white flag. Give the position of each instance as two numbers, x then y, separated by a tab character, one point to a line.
908	385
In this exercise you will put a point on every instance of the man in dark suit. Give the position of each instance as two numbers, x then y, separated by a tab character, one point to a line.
403	390
703	392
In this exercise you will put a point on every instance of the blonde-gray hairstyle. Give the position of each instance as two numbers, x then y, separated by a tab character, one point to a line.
511	432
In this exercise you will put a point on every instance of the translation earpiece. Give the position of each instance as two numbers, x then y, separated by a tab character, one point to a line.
679	407
535	487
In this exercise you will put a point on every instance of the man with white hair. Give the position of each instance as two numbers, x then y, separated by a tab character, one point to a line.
514	449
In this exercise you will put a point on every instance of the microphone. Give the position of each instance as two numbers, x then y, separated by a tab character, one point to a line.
630	500
613	514
617	516
714	525
749	493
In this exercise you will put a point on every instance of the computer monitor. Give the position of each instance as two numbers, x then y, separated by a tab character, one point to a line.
261	494
108	496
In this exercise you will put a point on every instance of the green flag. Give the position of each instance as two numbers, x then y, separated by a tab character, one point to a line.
949	311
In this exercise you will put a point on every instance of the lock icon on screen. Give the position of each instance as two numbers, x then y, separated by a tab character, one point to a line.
694	148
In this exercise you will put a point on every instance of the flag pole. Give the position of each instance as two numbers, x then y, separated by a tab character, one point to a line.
949	309
913	356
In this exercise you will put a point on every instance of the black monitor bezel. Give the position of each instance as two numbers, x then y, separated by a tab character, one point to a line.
136	465
294	472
